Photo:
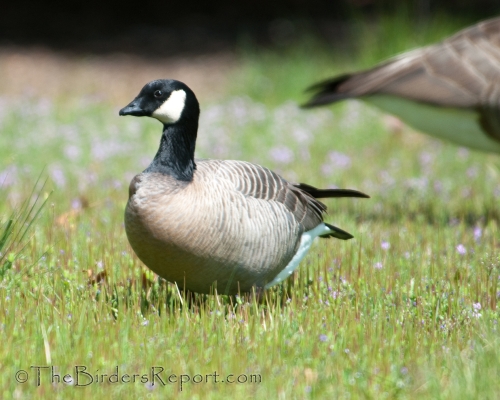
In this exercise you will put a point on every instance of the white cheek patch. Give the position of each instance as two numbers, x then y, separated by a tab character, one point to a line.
170	111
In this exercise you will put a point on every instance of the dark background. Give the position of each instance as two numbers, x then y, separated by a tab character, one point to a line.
173	27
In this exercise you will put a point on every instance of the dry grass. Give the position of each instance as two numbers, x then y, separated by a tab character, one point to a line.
39	72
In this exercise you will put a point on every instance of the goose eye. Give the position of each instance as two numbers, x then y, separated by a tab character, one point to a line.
158	93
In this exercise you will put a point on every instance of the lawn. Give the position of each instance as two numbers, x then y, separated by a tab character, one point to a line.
407	309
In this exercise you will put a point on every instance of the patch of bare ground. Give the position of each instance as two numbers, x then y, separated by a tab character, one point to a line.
113	78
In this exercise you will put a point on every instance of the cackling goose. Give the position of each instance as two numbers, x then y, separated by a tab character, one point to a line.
226	224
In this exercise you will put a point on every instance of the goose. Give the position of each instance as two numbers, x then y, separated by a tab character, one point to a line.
450	90
207	224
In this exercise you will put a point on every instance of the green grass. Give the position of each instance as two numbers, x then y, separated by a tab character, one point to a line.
407	309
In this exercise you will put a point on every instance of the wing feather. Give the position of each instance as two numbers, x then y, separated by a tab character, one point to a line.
261	183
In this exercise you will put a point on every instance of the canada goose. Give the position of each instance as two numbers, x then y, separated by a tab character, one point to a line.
231	224
450	89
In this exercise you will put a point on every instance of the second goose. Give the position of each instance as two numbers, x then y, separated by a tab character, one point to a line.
223	224
450	90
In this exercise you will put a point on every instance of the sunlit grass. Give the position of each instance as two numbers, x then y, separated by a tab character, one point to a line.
15	230
407	309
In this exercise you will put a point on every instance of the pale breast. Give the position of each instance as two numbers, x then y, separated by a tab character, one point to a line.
206	232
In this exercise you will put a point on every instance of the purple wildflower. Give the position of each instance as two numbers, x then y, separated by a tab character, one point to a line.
301	135
478	232
57	175
472	172
8	176
72	152
335	161
476	308
76	204
461	249
281	154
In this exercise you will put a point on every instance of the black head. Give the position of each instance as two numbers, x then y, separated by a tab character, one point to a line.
167	100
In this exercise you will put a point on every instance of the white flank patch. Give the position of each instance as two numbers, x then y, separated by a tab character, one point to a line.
460	126
170	111
305	243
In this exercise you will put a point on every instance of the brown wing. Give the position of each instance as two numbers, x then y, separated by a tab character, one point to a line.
262	183
463	71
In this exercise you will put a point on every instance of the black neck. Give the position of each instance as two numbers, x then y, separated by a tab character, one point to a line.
175	157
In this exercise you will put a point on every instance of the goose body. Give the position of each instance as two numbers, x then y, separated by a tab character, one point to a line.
450	90
224	224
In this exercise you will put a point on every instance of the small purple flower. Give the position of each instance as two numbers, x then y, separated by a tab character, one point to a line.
323	338
335	161
378	265
472	172
386	178
419	183
426	160
478	232
102	150
8	176
476	308
282	154
339	160
72	152
58	177
461	249
438	186
385	245
302	135
76	204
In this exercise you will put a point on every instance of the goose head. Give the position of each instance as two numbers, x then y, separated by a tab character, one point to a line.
169	101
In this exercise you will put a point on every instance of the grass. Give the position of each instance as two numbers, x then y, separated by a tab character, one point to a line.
407	309
14	234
